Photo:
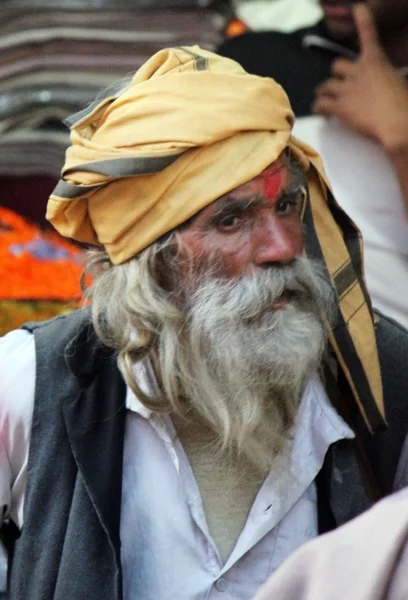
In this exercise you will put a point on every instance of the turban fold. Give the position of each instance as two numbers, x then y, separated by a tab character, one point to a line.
191	127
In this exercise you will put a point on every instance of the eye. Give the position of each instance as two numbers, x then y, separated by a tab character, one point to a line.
229	221
289	204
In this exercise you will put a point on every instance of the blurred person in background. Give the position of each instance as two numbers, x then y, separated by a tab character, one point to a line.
222	400
367	559
350	72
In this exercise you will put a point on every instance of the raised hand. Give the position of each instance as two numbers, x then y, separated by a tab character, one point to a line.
370	95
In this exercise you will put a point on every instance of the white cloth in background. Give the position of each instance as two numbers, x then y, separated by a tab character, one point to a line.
279	15
167	551
366	186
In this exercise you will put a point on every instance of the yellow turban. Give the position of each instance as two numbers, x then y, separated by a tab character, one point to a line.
192	126
176	140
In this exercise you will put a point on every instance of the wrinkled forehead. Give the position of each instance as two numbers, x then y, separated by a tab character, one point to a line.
283	174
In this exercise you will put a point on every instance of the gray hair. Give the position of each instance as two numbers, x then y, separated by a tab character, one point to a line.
130	309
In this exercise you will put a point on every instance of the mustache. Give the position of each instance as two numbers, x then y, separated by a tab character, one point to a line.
302	282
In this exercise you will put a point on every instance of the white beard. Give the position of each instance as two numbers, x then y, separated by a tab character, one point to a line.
242	365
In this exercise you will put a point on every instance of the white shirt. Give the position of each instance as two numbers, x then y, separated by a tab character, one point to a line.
366	186
167	551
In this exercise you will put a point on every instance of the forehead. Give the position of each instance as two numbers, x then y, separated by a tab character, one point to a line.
277	177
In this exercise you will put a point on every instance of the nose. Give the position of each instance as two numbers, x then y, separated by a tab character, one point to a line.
277	241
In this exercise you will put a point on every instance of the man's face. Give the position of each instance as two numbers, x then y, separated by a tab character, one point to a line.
258	224
248	330
252	305
389	16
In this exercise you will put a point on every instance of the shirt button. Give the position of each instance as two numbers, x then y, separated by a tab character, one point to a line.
221	585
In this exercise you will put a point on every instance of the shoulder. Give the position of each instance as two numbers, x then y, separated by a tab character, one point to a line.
385	447
54	335
19	350
392	344
64	324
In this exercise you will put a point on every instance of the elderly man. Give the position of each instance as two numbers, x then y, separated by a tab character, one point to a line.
179	438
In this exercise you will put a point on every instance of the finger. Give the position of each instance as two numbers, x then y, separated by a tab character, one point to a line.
324	105
331	87
343	68
366	29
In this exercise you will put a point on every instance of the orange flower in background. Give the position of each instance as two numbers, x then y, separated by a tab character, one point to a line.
235	27
36	265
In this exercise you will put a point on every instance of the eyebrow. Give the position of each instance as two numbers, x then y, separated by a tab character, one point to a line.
297	184
229	203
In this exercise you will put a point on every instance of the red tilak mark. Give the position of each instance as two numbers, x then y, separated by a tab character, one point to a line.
271	184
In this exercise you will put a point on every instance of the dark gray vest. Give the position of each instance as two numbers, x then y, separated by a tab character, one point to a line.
69	547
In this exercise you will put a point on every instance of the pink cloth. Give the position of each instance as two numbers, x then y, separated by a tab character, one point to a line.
367	559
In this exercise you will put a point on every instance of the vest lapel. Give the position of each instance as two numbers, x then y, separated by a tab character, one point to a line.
95	425
348	495
343	491
346	482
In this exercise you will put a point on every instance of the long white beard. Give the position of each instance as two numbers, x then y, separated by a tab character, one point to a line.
242	365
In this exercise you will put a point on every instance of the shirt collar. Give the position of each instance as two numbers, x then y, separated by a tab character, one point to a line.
145	378
317	421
